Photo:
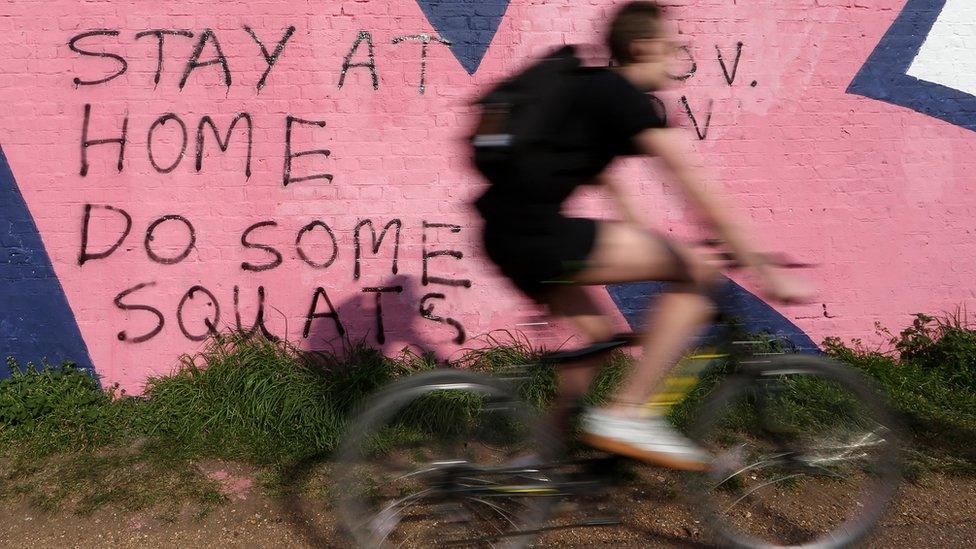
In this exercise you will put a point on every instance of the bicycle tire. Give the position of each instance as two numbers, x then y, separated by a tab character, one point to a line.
354	513
749	384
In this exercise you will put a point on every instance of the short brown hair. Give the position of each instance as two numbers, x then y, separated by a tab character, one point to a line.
633	21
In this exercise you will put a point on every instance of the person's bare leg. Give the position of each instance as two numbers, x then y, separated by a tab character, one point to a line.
623	254
573	379
677	318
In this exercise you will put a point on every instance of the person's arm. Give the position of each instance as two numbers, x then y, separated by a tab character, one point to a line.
668	145
620	200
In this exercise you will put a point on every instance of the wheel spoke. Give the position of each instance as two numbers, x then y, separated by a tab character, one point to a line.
387	514
772	461
806	455
760	487
460	479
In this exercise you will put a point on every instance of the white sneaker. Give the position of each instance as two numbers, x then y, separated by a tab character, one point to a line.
650	439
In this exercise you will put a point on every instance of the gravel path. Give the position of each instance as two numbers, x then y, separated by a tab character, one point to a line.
935	512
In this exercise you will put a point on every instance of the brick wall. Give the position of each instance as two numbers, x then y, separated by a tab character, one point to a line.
859	162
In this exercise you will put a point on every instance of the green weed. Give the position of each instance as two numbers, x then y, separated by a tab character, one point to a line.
65	442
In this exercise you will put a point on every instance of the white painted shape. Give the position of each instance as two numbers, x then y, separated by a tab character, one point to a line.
948	56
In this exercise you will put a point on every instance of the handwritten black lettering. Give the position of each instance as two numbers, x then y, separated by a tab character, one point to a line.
195	63
182	255
427	311
252	246
160	321
123	65
289	156
690	71
271	58
210	324
223	144
301	251
160	35
428	255
258	319
424	39
87	143
375	242
369	64
313	314
84	255
701	132
659	108
730	77
380	332
161	121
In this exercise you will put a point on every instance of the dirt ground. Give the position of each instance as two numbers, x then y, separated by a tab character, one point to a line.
936	511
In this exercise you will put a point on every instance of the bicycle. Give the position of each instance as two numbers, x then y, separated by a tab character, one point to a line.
792	435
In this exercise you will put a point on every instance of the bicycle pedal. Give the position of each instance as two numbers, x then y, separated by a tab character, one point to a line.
607	460
606	465
602	521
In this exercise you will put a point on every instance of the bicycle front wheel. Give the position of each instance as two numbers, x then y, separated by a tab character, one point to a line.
806	454
443	459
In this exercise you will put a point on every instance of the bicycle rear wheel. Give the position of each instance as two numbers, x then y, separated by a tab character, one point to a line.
439	459
806	455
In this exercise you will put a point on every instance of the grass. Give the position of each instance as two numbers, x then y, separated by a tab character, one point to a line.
928	374
66	444
87	479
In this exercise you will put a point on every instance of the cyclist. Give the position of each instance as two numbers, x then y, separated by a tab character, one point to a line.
534	244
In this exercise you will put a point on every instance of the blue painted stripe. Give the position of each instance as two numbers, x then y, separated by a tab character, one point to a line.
755	314
469	25
883	76
35	319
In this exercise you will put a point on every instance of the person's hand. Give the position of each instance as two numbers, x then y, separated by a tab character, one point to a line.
788	288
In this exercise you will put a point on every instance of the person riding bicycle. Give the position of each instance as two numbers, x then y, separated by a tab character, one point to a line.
540	249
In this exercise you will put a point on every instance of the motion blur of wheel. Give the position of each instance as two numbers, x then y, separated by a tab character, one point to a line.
806	455
440	459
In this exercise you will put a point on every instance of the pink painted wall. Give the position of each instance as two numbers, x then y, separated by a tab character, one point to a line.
879	194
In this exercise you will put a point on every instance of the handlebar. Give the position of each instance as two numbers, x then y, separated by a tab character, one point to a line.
773	259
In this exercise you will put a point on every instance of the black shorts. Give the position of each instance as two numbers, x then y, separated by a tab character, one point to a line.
542	255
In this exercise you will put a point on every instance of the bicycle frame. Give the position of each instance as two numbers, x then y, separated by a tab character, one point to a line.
742	367
720	345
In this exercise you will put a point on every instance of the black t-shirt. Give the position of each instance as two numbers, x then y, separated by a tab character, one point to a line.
607	113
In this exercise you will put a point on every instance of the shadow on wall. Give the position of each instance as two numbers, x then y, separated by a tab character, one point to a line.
385	317
36	321
390	320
